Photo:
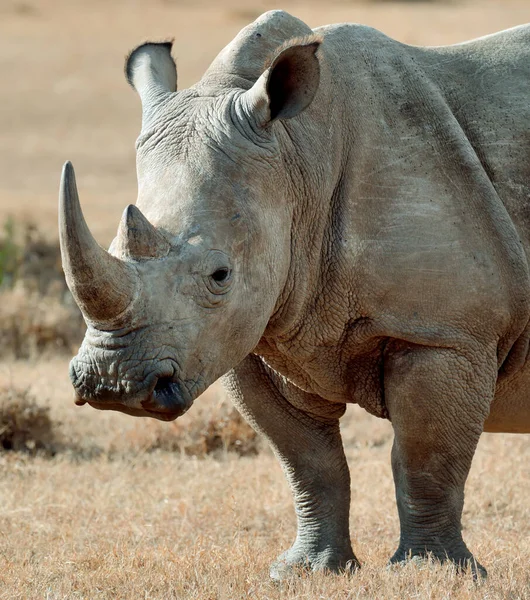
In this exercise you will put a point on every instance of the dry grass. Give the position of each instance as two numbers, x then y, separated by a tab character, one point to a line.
158	524
37	312
216	429
32	325
122	511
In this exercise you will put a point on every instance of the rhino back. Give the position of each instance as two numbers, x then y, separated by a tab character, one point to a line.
487	85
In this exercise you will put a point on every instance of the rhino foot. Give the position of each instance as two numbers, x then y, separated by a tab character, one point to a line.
294	562
463	561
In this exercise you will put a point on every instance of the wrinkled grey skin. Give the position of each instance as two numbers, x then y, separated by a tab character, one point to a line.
372	214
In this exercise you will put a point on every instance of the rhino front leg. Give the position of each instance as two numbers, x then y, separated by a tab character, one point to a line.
303	431
438	401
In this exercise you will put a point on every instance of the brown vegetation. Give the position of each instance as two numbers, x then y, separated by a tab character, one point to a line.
215	429
99	505
37	312
25	426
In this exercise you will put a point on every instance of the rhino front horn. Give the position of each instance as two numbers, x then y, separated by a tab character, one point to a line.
102	285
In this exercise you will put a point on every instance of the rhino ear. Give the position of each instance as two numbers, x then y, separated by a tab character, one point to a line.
151	71
289	84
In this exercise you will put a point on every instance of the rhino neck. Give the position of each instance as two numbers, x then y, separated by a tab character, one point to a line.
241	62
314	162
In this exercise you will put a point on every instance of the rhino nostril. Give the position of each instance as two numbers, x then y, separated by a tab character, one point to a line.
165	391
163	384
168	395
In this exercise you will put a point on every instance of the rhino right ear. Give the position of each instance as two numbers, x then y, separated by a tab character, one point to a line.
288	84
151	71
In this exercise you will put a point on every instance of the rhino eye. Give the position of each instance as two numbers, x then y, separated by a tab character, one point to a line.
217	272
221	275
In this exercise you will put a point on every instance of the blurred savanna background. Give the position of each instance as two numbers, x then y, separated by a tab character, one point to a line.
100	505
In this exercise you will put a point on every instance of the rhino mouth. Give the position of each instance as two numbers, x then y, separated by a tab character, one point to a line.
167	401
135	412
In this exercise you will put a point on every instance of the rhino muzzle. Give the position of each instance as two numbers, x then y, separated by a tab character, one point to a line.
157	396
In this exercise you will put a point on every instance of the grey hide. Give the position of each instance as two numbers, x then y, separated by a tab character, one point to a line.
327	217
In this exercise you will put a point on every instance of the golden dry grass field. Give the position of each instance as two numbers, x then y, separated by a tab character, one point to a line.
117	508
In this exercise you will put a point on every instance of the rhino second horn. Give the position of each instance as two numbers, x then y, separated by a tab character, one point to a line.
137	239
103	286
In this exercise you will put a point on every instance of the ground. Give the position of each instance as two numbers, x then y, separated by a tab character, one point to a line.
115	519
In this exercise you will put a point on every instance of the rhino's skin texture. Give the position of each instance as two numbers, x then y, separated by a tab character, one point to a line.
368	209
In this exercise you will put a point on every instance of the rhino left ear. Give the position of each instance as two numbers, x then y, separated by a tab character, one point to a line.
151	71
287	87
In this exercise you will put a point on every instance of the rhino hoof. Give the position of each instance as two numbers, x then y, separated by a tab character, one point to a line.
291	565
462	565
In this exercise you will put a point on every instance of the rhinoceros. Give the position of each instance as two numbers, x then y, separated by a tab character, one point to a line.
327	217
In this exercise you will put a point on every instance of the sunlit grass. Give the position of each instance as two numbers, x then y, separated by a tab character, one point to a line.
133	523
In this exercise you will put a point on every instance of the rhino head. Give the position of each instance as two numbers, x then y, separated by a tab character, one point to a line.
198	270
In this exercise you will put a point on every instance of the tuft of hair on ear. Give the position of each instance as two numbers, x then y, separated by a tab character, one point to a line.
129	59
313	39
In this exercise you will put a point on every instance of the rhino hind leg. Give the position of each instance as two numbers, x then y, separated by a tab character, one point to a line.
304	434
438	401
